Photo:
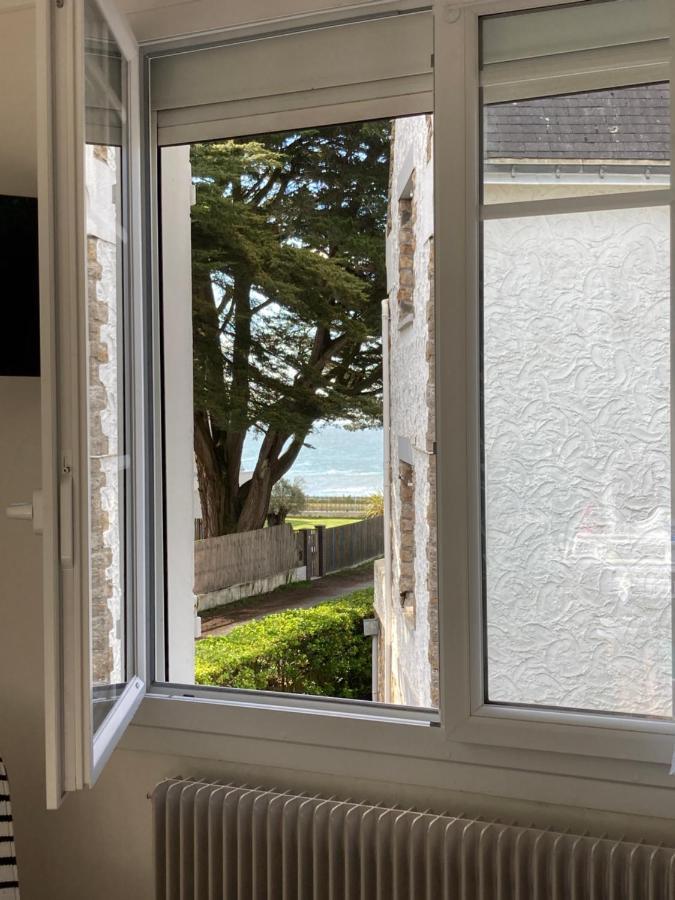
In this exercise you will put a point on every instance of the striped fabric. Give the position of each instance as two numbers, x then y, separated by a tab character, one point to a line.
9	876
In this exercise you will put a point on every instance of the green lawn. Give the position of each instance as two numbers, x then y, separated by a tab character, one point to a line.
312	523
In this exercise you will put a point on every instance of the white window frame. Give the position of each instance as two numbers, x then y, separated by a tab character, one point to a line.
75	753
568	758
510	725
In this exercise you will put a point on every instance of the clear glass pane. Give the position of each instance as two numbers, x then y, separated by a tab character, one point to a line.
577	460
105	173
297	237
583	144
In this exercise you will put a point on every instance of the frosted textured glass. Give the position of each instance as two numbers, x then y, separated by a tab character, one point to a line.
577	460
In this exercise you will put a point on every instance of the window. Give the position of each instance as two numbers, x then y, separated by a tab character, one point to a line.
295	237
510	201
92	446
105	176
576	400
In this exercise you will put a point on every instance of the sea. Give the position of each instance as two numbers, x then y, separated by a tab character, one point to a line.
334	462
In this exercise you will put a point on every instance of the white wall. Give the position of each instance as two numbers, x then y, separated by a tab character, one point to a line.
410	368
18	153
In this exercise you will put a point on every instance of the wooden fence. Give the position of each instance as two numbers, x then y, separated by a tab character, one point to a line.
348	545
249	556
250	559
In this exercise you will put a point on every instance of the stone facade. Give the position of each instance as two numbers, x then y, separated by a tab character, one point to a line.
407	608
405	545
577	450
106	475
407	238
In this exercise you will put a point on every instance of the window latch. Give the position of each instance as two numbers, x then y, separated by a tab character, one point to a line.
28	512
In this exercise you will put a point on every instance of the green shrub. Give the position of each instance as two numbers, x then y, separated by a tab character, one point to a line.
320	650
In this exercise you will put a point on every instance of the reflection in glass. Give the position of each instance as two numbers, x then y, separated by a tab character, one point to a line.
582	144
577	453
105	162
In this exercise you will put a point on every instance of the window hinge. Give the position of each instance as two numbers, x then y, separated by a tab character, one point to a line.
431	61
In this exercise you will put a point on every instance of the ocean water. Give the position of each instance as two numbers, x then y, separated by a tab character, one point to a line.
335	462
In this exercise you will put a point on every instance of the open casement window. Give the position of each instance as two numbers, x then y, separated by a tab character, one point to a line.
249	146
499	75
485	72
92	483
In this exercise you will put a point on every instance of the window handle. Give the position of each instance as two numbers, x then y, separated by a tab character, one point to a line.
28	511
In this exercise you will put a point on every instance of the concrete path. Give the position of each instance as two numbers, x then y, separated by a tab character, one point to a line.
225	618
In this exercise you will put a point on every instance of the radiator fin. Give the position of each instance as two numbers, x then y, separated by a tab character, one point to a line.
217	841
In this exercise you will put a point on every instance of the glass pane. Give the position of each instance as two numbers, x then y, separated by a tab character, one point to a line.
582	144
105	165
296	239
577	460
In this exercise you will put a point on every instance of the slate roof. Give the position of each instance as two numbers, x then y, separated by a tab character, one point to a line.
622	124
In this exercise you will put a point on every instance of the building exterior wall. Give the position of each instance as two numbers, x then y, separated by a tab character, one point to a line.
105	416
410	624
577	450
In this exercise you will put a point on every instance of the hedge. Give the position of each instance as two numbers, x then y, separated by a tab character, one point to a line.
320	650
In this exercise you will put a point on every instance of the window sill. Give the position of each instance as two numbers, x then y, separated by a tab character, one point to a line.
287	738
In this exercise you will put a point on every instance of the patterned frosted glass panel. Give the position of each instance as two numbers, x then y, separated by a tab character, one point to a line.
577	457
105	164
583	144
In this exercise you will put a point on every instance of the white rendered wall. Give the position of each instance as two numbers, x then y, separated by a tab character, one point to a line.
178	435
409	382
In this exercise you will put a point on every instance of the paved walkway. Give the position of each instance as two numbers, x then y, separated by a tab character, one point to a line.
225	618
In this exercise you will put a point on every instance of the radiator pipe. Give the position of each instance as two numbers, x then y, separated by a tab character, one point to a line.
385	640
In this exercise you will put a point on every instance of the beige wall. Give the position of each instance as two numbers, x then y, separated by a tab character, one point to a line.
99	844
18	154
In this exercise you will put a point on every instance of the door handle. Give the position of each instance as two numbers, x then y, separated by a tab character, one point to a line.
28	511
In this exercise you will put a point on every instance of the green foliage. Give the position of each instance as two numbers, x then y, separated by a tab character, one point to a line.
287	497
375	505
313	521
298	220
321	650
288	251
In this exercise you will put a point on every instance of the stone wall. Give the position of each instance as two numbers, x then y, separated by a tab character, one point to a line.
431	547
105	428
409	626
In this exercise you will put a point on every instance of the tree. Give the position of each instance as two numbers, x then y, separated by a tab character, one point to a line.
375	505
287	497
288	236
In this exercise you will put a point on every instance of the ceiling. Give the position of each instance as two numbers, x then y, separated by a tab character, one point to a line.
153	20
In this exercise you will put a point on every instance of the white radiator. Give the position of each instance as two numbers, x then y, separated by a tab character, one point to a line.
225	842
